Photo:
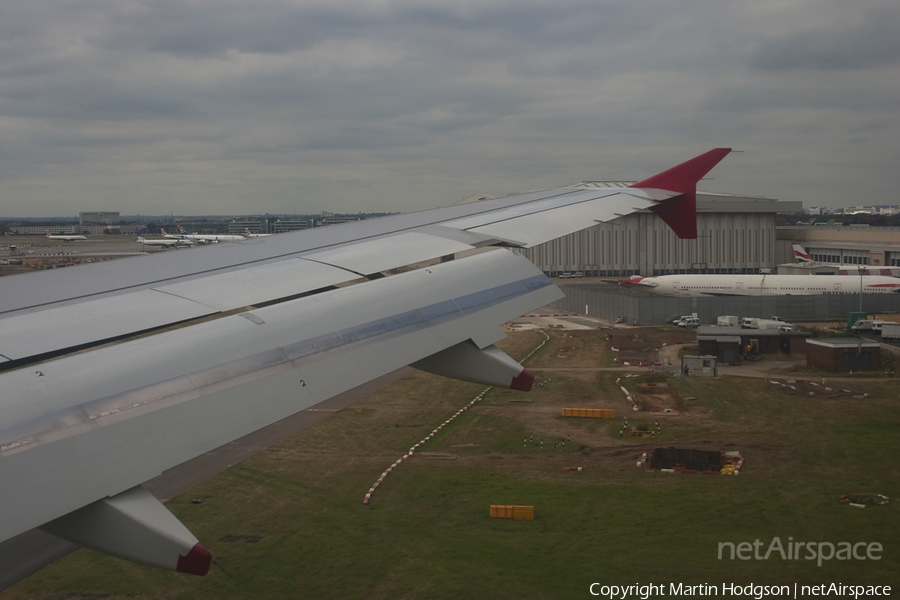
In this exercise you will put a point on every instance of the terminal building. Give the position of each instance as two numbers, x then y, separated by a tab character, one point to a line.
736	234
99	218
237	226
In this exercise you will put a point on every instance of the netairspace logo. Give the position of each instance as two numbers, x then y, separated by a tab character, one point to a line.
820	551
757	592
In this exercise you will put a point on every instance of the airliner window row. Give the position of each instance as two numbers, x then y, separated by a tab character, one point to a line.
786	289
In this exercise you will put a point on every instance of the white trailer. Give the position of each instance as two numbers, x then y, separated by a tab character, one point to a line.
890	331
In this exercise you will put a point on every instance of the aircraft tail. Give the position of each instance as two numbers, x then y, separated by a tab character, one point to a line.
637	280
802	257
680	212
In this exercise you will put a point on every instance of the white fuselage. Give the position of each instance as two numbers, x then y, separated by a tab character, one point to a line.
210	238
167	243
65	238
765	285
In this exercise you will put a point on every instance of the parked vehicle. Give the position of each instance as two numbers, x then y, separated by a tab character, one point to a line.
754	323
727	321
868	325
890	331
689	322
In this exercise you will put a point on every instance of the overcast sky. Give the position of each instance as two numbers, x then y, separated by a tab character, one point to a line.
239	106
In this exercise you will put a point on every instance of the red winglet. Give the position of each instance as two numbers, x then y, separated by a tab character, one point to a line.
523	381
680	212
195	562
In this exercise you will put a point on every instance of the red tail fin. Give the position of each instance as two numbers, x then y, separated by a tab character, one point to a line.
680	213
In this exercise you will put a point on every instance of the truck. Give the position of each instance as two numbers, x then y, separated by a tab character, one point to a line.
727	321
868	326
754	323
890	331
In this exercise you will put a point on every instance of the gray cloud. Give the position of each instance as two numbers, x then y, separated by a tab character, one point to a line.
855	45
404	104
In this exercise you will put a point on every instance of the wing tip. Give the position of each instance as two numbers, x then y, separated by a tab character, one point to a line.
195	562
522	382
680	212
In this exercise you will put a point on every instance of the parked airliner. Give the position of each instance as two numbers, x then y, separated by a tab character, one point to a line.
803	258
202	238
65	238
167	243
761	285
248	234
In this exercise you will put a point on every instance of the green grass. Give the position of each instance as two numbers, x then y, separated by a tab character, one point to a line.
427	533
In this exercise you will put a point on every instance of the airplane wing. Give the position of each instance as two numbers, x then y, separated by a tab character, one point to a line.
113	373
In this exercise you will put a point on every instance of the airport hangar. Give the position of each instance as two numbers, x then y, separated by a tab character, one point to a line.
736	234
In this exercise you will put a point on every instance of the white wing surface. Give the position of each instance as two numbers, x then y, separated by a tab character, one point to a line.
236	337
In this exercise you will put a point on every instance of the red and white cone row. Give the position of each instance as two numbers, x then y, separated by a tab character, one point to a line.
438	428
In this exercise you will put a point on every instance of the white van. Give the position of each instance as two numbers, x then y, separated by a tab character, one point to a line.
689	322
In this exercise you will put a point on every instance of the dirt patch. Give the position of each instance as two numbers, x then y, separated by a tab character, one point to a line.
802	387
658	397
642	345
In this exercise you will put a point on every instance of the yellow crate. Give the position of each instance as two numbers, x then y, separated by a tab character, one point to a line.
594	413
510	511
523	513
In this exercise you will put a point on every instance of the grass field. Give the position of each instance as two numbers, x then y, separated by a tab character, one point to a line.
290	523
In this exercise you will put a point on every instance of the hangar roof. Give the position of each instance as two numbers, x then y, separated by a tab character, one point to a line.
844	343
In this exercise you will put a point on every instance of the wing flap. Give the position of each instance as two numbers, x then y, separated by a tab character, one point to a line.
70	327
386	253
257	284
538	227
73	326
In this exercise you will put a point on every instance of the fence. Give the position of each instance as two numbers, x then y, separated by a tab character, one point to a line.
610	302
